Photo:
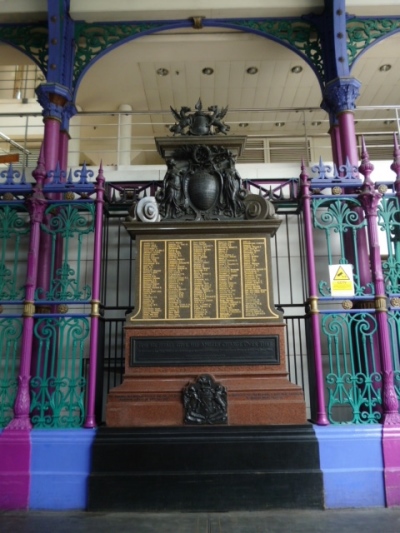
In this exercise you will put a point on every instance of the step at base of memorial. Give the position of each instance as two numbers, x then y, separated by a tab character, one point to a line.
205	469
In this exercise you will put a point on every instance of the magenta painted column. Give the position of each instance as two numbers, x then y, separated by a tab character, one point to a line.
90	421
391	433
36	206
63	150
336	145
370	198
340	97
321	418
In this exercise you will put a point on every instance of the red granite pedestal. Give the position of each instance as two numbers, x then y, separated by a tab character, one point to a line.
257	394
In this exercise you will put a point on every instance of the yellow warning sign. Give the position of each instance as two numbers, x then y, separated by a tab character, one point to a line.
342	283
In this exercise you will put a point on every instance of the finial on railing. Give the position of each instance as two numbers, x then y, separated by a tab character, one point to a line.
303	174
56	175
322	170
100	175
395	166
39	174
348	170
366	167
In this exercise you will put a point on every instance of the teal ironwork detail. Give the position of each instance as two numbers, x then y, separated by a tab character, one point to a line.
394	330
10	338
58	384
94	38
299	34
14	225
31	39
340	218
389	223
69	223
361	33
65	287
353	382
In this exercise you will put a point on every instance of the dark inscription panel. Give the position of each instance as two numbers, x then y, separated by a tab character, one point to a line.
256	350
204	279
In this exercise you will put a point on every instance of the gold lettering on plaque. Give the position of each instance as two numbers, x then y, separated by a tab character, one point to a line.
204	279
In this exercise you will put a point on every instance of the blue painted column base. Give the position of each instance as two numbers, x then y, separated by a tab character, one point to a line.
352	465
60	468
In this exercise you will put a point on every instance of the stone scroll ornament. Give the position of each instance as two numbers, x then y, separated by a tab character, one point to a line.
205	402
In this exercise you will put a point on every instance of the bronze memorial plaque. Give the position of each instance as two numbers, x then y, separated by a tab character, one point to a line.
204	279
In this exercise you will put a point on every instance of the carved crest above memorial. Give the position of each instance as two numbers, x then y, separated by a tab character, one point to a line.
201	182
199	122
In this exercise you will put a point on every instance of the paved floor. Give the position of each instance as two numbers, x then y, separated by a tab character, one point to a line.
285	521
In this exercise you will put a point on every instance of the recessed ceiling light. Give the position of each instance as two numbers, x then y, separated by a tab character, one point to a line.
385	68
297	69
252	70
162	72
279	124
243	124
208	71
316	123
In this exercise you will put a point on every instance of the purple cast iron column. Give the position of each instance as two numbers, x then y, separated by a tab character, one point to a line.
63	150
336	144
322	419
391	433
52	98
370	198
90	421
340	97
36	206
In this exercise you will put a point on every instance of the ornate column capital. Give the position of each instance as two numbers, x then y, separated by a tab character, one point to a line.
340	95
55	99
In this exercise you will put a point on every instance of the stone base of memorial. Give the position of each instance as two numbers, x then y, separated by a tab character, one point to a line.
205	344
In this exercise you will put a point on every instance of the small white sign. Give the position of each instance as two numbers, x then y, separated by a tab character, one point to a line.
342	281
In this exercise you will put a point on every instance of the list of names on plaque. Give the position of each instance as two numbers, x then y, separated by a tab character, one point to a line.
203	279
254	277
230	303
178	280
153	286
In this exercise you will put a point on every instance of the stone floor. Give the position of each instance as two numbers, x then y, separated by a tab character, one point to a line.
282	521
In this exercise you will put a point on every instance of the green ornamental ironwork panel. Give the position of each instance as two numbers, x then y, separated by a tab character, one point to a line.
341	222
353	382
58	384
70	225
389	223
14	230
93	39
31	39
10	341
361	33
